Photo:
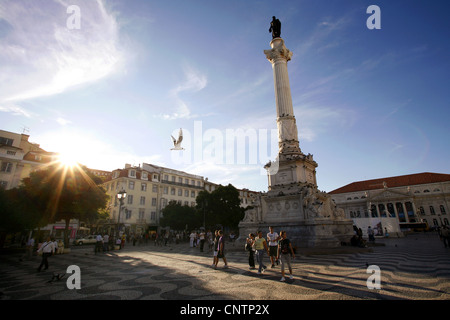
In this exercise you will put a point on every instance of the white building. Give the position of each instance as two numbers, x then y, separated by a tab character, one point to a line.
397	204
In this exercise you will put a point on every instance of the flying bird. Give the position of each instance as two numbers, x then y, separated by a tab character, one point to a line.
177	142
57	277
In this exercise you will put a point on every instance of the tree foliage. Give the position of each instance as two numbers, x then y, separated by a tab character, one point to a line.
221	206
178	217
55	193
218	208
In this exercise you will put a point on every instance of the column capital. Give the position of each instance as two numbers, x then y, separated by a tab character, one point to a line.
278	51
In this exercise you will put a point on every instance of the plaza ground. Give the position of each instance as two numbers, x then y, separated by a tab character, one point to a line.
416	267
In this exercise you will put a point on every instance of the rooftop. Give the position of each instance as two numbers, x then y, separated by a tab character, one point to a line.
392	182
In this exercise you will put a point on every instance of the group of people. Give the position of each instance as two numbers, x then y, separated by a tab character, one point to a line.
106	242
277	246
201	239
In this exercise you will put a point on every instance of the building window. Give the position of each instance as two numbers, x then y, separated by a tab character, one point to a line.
127	214
153	216
186	193
192	194
142	201
373	210
390	209
400	211
143	187
130	199
442	208
6	141
141	213
155	188
172	191
180	192
6	167
166	190
132	173
432	210
409	209
154	202
382	210
422	210
131	185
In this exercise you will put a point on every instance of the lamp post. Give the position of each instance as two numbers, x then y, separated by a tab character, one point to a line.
121	195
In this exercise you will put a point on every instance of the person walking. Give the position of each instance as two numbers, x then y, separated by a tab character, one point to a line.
285	251
249	247
221	250
215	244
192	239
370	232
272	238
98	244
261	247
202	240
106	242
47	249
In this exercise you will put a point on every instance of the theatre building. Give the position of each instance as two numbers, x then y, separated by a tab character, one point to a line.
397	204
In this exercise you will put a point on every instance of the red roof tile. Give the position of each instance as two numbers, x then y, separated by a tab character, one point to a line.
392	182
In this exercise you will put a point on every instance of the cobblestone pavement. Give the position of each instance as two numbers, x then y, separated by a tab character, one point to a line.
415	267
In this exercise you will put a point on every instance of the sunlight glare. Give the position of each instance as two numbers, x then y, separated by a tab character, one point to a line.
67	159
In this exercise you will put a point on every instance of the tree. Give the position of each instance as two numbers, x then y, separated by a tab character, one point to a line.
65	193
177	216
221	206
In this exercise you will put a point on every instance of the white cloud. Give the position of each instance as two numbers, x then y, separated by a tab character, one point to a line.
40	56
194	81
63	121
16	110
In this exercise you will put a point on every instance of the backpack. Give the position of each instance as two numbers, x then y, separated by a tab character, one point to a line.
284	246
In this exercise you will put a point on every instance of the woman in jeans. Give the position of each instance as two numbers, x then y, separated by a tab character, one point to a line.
260	247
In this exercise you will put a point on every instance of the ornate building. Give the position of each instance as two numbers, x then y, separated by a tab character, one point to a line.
397	204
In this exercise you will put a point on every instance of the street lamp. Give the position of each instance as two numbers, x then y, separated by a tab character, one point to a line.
121	195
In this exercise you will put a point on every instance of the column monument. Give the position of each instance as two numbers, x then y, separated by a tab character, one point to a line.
293	201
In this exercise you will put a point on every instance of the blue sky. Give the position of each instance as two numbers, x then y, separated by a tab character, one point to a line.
368	103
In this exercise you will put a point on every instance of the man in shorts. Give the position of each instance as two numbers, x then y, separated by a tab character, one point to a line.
272	240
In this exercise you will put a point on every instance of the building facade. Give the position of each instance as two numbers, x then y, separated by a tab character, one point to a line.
397	204
19	157
149	189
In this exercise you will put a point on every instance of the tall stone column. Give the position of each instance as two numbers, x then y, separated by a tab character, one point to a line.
279	55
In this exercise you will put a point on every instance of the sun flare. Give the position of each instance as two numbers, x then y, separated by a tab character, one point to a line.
67	160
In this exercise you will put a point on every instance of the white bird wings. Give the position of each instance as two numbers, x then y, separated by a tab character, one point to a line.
177	143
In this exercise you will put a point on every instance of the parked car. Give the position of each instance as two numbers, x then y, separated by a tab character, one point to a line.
85	240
